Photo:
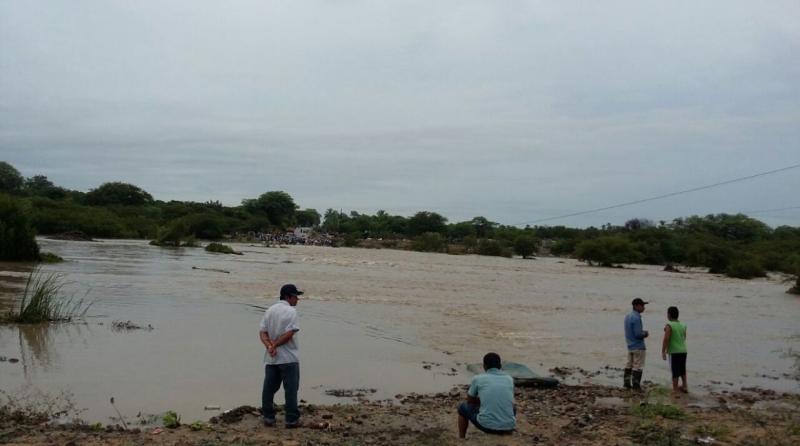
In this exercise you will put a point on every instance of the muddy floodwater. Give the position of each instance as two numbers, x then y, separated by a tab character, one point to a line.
383	320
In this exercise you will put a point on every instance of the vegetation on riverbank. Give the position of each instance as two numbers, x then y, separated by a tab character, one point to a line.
220	248
43	300
735	245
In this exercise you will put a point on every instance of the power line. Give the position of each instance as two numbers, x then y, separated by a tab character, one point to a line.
770	210
659	197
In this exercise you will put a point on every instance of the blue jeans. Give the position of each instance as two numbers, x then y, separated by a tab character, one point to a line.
274	375
470	412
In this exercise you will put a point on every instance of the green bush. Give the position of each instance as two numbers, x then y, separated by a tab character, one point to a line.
607	251
711	253
350	240
17	239
220	248
746	268
487	247
49	257
430	242
564	247
171	420
525	246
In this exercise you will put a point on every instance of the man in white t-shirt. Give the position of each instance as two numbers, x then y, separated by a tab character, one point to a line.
277	332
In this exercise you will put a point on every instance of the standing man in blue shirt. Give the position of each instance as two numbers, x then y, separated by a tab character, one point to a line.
637	352
490	401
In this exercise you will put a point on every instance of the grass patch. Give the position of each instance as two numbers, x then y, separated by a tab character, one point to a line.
28	407
49	257
652	410
222	249
717	431
43	301
654	434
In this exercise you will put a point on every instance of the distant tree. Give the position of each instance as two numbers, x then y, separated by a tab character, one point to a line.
278	206
17	238
635	224
525	246
458	231
39	185
117	193
430	242
710	252
487	247
425	221
745	268
307	217
483	227
607	251
10	179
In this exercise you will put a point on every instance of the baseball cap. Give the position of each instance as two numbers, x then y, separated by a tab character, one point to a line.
290	290
639	301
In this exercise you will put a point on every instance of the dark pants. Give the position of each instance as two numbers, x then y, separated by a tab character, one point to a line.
274	375
677	362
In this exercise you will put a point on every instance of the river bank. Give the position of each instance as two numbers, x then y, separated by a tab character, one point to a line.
575	415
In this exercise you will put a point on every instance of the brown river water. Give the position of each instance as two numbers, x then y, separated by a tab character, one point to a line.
393	321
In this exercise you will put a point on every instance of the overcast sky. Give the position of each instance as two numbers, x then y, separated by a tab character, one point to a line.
517	111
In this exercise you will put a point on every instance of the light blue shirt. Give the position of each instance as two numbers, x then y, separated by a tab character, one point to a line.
496	391
634	334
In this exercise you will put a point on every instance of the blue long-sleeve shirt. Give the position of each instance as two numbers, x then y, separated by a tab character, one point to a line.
634	333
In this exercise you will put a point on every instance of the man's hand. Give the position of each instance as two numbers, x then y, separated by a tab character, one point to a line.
646	333
272	350
663	356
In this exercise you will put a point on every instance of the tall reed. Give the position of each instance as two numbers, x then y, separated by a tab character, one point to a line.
43	301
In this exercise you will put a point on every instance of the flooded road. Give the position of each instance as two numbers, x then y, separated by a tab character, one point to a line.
393	321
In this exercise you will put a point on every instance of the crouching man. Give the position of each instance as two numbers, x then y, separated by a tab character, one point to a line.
490	401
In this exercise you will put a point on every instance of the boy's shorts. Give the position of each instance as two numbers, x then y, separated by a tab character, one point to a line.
677	363
470	412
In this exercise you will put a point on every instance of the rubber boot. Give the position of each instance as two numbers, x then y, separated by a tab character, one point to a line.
627	378
637	380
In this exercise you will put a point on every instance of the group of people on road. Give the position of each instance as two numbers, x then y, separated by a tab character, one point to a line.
489	403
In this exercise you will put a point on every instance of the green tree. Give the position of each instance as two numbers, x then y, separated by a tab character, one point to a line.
278	206
17	238
430	242
117	193
425	221
525	246
10	179
307	217
39	185
607	251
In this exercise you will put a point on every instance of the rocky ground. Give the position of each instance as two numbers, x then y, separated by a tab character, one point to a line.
568	415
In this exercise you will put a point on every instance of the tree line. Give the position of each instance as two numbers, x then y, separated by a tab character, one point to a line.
736	245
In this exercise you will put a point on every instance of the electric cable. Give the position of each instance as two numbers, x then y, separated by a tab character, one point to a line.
659	197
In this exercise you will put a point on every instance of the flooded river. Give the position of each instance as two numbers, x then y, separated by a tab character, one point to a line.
393	321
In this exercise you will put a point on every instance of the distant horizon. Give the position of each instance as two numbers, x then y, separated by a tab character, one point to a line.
411	213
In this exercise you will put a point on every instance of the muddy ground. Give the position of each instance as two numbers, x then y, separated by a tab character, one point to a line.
568	415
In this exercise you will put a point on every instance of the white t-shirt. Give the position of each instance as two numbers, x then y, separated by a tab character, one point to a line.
279	319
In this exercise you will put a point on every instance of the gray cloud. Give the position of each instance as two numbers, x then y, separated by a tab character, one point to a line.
513	110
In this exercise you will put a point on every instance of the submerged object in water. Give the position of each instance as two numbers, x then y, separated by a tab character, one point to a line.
523	376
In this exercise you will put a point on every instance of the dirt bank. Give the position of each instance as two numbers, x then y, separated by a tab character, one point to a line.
574	415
